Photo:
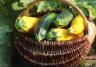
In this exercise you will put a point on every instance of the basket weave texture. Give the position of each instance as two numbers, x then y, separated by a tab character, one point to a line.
67	53
51	53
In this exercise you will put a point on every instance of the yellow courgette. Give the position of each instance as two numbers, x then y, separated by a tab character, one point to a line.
26	24
59	34
77	25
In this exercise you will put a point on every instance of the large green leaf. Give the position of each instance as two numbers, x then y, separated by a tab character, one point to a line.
47	5
19	5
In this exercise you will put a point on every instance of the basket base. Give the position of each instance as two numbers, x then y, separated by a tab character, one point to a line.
19	61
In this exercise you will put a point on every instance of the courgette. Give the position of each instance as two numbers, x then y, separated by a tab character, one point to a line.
43	26
77	25
63	19
58	34
26	24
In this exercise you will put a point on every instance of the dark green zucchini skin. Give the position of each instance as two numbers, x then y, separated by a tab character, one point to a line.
43	26
63	19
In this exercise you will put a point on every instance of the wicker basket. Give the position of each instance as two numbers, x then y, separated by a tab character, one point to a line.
52	53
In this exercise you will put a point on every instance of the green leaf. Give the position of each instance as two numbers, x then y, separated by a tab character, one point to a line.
92	12
90	5
17	6
47	5
26	2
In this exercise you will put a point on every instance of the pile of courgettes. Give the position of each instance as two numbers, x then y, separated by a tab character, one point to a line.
52	25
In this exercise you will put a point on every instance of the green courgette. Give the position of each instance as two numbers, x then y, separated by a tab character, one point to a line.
63	19
43	26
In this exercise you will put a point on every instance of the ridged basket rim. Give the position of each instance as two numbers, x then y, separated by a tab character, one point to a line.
53	43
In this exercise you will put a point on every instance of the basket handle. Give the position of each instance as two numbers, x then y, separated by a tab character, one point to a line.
26	13
91	32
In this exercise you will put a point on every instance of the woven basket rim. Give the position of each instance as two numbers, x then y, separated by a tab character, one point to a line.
52	43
